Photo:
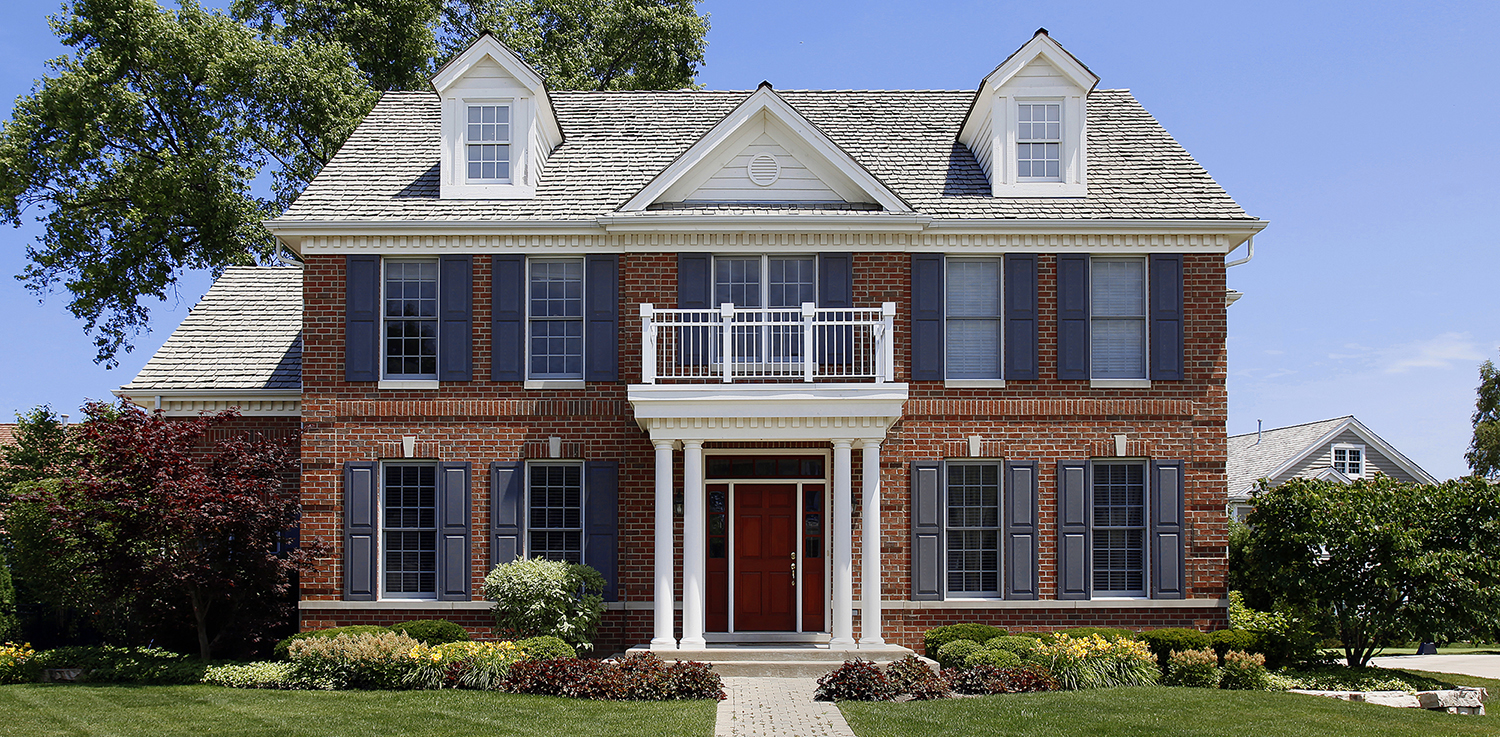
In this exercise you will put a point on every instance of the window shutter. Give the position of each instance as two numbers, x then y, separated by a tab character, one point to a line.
1166	317
926	531
361	531
1073	538
362	318
926	317
1020	530
1020	317
695	288
1167	531
456	318
601	308
836	290
455	572
508	318
507	511
1072	317
601	523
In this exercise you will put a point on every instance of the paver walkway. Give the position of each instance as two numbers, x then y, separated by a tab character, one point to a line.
760	707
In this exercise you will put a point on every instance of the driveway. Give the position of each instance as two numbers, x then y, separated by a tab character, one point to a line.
1483	666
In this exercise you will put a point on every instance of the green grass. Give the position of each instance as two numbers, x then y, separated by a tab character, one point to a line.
167	711
1157	712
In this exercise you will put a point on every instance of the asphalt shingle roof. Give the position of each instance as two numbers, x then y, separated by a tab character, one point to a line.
1251	460
617	142
246	333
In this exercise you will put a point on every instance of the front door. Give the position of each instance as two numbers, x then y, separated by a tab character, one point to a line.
765	563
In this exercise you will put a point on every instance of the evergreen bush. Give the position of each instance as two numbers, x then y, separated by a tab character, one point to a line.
1164	642
956	653
937	637
1022	645
432	631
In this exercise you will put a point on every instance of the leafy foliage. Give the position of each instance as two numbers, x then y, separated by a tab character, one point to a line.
265	674
536	596
546	647
283	652
476	665
1484	449
937	637
15	663
1022	645
1192	668
391	41
40	449
1023	678
1243	671
1164	642
855	680
133	665
432	631
996	658
1096	662
368	661
637	677
1380	562
1343	678
910	675
956	654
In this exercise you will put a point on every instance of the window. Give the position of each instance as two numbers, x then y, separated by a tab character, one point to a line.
973	337
1117	324
409	529
788	281
973	544
1119	497
555	511
488	141
411	322
556	319
1039	141
1349	460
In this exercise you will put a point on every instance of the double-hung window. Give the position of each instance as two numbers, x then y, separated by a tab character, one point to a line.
775	288
1039	141
1119	503
973	529
487	134
974	328
409	529
411	319
1349	460
555	511
556	319
1117	323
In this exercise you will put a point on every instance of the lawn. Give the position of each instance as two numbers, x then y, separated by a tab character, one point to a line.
1162	712
164	711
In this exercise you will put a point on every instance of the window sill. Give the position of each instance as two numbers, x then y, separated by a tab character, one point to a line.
407	384
554	384
1119	383
974	384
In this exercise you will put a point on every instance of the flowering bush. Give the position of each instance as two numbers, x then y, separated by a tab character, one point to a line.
536	596
14	662
1244	671
1095	662
855	680
476	665
377	661
282	651
1193	668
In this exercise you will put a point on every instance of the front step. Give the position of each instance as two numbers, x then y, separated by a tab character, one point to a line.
781	660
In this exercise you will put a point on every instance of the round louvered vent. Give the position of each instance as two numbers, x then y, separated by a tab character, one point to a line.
764	170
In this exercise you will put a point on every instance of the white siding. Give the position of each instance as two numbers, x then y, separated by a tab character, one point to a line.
1374	460
983	149
796	184
1036	74
487	75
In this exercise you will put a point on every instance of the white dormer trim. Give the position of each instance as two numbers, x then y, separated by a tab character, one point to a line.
534	131
990	128
1371	440
802	138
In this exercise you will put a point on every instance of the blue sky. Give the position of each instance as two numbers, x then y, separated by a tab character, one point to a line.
1365	132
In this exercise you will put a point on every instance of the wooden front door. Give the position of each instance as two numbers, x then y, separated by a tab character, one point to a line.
765	541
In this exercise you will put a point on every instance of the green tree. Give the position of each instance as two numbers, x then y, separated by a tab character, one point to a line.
1484	450
391	41
1379	562
40	449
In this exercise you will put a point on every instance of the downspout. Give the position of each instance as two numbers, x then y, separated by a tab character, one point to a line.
1248	255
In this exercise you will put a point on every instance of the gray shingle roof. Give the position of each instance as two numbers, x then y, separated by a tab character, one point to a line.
618	141
246	333
1250	461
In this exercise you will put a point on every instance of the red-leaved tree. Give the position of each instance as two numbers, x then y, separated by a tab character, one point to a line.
177	526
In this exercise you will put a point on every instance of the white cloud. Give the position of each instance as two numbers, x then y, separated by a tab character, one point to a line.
1440	352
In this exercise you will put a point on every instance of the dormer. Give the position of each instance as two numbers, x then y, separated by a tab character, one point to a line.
1027	127
498	124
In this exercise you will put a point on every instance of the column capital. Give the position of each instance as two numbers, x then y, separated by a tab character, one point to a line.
692	444
869	442
843	443
661	443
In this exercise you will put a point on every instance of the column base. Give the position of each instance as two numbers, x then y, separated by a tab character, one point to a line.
842	643
693	643
872	642
668	644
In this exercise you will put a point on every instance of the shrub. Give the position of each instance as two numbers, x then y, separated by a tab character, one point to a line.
1023	678
937	637
546	647
1234	639
109	664
1244	671
15	663
905	672
638	677
550	677
955	654
1095	662
1164	642
1021	645
1193	668
476	665
266	674
1078	633
432	631
971	680
281	650
997	658
373	661
855	680
535	596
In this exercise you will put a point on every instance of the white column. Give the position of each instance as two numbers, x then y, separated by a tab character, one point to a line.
869	530
662	638
843	546
694	561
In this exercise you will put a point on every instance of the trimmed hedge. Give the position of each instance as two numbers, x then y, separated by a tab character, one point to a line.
956	653
937	637
1108	633
431	632
1022	645
546	647
1164	642
996	658
281	653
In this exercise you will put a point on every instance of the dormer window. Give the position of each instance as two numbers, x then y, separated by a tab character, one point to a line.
1039	141
1349	459
488	137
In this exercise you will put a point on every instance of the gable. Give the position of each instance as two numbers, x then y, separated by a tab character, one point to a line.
1376	460
779	176
1038	74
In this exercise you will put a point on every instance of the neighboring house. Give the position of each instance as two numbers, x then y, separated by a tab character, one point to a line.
1341	449
783	365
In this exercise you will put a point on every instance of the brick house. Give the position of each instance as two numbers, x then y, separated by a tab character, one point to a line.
785	366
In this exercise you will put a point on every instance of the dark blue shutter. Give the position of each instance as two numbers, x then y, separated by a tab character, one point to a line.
1074	574
1166	317
601	309
926	531
455	572
1020	317
508	318
362	318
695	288
836	291
361	531
456	318
927	317
1167	531
1072	317
1020	530
507	511
601	523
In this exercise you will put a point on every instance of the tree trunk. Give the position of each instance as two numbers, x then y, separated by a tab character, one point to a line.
200	617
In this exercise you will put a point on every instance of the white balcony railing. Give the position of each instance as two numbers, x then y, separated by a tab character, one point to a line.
732	343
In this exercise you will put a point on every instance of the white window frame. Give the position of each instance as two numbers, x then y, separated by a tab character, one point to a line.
764	347
1061	142
1144	381
510	142
411	381
455	182
998	382
583	491
1072	180
1145	591
999	592
551	381
380	568
1364	458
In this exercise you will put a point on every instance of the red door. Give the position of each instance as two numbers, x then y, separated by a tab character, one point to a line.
765	538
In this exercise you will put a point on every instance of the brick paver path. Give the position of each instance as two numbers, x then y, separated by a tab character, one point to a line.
760	707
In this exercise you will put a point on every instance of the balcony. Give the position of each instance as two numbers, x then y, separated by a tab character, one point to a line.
763	345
